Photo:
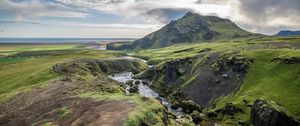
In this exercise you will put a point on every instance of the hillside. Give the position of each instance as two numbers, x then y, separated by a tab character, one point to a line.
191	28
226	78
58	85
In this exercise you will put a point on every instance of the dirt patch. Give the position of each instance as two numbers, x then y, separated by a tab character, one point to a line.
82	112
44	105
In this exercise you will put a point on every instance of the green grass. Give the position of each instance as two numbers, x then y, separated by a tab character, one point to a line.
275	81
49	124
63	112
17	74
267	79
36	47
157	56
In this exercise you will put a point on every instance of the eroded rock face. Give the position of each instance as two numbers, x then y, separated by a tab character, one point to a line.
218	76
205	77
269	113
189	106
287	60
96	67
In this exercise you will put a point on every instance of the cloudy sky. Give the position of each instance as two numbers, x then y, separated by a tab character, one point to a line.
136	18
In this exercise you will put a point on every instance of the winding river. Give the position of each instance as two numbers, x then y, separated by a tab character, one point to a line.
144	89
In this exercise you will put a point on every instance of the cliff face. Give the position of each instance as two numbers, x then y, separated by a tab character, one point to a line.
202	79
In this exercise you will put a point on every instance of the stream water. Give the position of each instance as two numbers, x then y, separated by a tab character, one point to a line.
144	89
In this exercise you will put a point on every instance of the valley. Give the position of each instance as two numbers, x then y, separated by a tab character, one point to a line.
197	70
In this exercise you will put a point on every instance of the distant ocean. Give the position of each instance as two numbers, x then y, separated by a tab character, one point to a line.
62	40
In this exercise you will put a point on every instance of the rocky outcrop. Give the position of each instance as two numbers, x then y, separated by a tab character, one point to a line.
202	79
189	106
133	86
269	113
96	67
287	60
231	109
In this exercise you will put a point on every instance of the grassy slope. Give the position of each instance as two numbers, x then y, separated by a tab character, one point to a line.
6	49
26	72
272	80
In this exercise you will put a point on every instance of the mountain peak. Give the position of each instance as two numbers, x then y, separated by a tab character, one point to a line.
191	28
191	14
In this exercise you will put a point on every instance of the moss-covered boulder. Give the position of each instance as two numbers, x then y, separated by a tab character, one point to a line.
189	106
269	113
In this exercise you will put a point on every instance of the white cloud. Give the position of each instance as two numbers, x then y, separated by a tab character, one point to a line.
253	14
262	16
36	8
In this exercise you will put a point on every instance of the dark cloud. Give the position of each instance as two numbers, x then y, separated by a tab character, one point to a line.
165	15
262	10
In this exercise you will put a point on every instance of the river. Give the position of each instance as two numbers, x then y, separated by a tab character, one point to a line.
144	89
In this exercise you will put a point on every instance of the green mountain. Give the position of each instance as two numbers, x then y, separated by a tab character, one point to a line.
188	29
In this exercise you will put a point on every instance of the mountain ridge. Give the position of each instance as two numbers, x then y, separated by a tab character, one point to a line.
190	28
287	33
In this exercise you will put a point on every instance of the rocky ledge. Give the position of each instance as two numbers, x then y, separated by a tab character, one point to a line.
269	113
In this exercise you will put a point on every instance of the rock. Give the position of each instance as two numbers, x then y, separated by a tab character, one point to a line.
204	50
129	82
269	113
134	89
211	114
145	83
67	78
145	98
179	96
225	75
196	117
144	124
137	82
246	103
175	106
230	109
189	106
287	60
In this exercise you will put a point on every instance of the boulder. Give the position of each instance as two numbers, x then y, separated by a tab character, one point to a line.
196	117
189	106
145	83
269	113
129	82
137	82
230	109
211	114
175	105
134	89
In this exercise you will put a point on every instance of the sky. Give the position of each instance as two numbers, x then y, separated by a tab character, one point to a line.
136	18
